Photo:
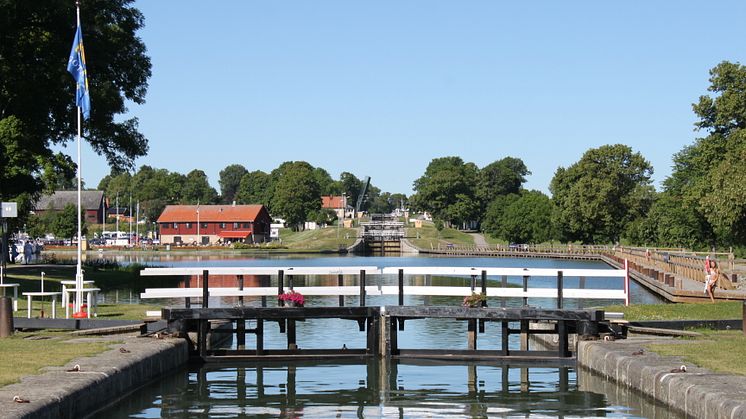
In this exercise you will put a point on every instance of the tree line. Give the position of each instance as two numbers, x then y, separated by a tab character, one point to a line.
604	197
607	196
291	191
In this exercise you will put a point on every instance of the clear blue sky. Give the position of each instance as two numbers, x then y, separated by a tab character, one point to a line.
380	88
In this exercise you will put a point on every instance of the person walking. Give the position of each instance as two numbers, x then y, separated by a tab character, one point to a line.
712	280
28	251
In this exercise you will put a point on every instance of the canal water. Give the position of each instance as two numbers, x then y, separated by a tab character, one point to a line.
379	389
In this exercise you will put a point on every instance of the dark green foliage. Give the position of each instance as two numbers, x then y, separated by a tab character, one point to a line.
255	188
230	179
65	223
37	106
502	177
447	189
600	194
708	176
296	193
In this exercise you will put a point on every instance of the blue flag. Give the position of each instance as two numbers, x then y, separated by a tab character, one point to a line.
76	67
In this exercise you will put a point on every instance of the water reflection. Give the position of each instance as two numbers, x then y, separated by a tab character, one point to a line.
375	390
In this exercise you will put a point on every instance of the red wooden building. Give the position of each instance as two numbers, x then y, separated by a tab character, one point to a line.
207	224
92	202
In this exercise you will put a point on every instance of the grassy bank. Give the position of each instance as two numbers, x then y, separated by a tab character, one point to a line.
722	351
330	239
428	237
27	353
727	310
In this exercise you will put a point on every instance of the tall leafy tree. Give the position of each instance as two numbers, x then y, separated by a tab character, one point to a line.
230	179
446	183
327	185
600	194
527	219
255	188
351	186
296	193
37	101
65	223
708	175
197	189
501	177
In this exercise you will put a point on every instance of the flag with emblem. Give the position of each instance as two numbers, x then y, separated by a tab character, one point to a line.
76	67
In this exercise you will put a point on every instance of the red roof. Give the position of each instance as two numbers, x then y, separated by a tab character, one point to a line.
210	213
333	202
234	234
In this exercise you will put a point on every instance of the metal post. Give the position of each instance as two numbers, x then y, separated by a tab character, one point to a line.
401	287
6	317
525	289
280	285
340	283
504	284
205	288
240	287
484	287
560	285
362	288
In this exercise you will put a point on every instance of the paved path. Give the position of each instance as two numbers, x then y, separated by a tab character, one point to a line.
479	240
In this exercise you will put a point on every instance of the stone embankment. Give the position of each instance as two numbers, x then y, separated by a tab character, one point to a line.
698	392
62	392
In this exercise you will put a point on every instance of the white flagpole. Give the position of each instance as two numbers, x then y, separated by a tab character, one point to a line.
79	267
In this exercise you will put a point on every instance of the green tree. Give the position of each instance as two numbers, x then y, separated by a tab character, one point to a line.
351	186
197	189
296	193
599	195
65	223
446	182
230	179
327	185
527	219
502	177
493	215
255	188
707	176
37	94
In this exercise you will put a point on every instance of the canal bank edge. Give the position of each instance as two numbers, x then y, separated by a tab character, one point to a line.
101	380
698	392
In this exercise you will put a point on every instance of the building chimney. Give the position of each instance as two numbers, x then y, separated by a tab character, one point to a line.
234	203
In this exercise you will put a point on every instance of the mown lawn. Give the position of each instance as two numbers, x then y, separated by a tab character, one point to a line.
323	239
727	310
27	353
717	350
428	237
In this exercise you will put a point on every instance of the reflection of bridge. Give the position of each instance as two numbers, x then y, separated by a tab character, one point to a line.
373	388
383	234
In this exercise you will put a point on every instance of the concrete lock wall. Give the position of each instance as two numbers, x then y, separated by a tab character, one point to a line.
101	380
696	393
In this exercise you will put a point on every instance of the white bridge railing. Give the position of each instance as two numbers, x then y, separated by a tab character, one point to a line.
478	277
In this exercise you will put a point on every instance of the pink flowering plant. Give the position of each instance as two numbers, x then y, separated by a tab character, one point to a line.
292	297
474	300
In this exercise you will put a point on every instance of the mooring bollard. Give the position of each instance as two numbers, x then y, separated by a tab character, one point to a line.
6	317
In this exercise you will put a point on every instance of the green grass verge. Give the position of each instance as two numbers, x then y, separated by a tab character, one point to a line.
429	237
727	310
27	353
721	351
329	239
